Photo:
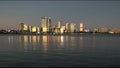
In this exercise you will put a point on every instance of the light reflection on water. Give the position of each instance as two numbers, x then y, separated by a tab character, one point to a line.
62	41
28	41
33	42
94	42
10	39
60	50
81	42
45	43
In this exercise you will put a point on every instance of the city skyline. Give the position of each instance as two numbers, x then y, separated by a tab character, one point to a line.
92	13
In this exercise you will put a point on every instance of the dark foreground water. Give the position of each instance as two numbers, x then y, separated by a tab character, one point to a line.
73	50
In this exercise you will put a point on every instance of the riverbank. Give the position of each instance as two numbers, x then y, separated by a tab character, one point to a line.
58	34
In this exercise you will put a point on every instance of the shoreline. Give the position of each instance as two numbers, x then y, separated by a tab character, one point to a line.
60	34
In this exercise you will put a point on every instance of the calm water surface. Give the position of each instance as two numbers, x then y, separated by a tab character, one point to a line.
73	50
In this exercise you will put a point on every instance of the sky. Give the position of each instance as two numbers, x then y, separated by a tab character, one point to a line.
91	13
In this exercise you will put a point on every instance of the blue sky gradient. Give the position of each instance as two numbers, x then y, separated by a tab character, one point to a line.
91	13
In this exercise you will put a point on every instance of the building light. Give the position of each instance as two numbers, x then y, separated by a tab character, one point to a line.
81	27
34	29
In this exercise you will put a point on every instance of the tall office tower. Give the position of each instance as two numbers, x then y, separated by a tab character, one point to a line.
72	27
81	27
62	29
21	26
46	24
38	29
67	27
25	27
34	29
59	24
30	28
49	24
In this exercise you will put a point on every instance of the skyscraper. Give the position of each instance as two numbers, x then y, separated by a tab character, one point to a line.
34	29
62	29
49	24
67	27
72	27
30	28
59	24
46	24
81	27
21	26
25	27
38	29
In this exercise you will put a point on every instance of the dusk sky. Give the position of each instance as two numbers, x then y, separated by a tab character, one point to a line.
91	13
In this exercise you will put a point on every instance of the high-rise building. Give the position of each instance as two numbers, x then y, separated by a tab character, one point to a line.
81	27
67	27
46	24
72	27
25	27
34	29
59	24
30	28
49	25
62	29
38	30
21	26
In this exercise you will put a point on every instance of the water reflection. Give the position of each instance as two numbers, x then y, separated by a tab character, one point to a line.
86	50
45	44
10	39
58	39
61	41
66	38
81	42
25	38
66	41
29	42
36	42
94	42
72	40
58	42
34	39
